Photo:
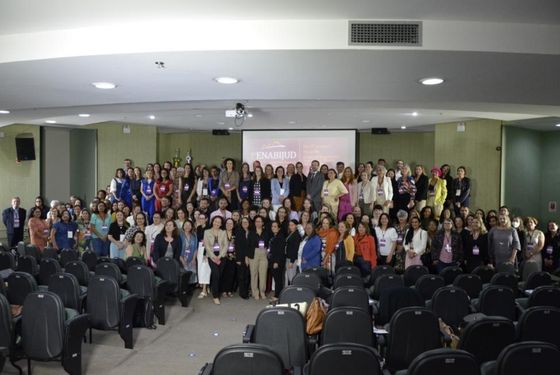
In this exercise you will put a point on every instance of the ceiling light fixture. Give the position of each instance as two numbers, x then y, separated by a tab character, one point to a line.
4	112
291	122
557	125
430	81
104	85
414	114
230	128
249	115
366	121
84	115
50	121
403	127
152	117
226	80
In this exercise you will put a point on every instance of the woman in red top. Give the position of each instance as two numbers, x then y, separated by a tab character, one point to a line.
163	188
329	238
365	252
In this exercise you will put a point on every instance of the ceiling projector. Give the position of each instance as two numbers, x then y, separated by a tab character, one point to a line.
238	112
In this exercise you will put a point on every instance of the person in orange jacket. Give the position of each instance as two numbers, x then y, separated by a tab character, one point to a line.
365	251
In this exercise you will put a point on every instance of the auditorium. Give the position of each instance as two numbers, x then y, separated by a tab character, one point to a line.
271	188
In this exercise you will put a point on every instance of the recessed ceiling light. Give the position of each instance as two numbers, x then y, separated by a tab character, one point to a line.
4	112
366	121
226	80
230	128
558	125
249	115
152	117
50	121
414	114
104	85
403	127
84	115
430	81
291	122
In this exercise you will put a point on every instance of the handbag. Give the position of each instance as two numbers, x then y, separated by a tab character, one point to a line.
316	314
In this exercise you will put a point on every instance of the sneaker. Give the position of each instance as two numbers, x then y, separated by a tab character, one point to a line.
202	295
217	301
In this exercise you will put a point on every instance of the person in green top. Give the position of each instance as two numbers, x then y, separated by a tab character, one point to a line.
138	246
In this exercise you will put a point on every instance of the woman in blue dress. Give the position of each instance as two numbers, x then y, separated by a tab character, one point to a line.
148	198
126	192
117	185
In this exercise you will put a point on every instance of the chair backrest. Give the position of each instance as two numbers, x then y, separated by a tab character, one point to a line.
43	329
379	271
348	280
428	284
348	324
348	270
470	283
6	325
2	286
385	282
451	304
545	296
528	358
168	269
119	263
537	279
28	263
485	338
506	279
444	361
540	324
109	269
350	297
294	294
321	273
134	261
20	284
394	299
412	331
49	252
528	269
283	330
247	359
78	269
33	251
450	273
486	273
68	256
90	258
104	302
49	267
141	281
7	260
498	301
66	286
413	273
344	358
309	280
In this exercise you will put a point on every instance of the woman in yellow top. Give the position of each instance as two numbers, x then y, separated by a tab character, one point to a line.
333	189
344	248
437	191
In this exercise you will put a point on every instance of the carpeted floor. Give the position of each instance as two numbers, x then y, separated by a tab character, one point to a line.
191	337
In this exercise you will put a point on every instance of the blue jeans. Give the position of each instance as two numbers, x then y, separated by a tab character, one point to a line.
100	247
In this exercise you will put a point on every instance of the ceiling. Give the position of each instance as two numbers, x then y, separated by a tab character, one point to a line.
499	59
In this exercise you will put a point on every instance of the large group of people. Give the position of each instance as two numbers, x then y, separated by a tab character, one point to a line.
251	230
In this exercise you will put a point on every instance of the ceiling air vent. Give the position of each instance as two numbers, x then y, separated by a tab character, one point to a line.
385	33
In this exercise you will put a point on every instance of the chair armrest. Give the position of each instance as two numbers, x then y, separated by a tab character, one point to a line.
488	368
206	369
76	328
312	343
128	306
248	334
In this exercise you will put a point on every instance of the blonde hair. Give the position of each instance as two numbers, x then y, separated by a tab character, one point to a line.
480	222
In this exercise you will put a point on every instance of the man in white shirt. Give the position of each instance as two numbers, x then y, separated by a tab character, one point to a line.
400	166
222	210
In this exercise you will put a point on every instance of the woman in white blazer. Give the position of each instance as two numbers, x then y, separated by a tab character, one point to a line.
415	242
382	189
366	194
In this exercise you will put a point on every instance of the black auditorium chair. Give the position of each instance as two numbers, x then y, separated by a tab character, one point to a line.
496	301
412	331
309	280
28	264
295	294
33	251
119	263
506	279
525	358
150	292
348	324
80	270
67	256
177	280
470	283
90	258
379	271
540	324
394	299
426	285
7	260
413	273
66	286
485	273
7	331
283	330
20	284
344	358
450	273
485	338
50	332
348	270
451	304
111	270
535	280
49	252
350	296
321	273
441	362
48	267
2	286
348	280
245	359
541	296
134	261
385	282
110	308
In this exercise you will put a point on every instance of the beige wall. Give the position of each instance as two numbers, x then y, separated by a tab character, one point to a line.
413	148
476	150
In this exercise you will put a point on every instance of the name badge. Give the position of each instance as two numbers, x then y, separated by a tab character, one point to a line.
46	232
70	234
549	250
382	242
458	192
380	192
245	189
214	192
230	248
186	188
261	244
162	189
148	191
399	239
216	248
257	192
227	186
530	246
16	223
281	191
104	227
204	191
121	237
475	250
87	233
431	193
201	244
326	192
361	195
448	248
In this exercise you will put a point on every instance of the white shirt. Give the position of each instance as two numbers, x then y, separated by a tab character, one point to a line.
151	232
386	239
419	242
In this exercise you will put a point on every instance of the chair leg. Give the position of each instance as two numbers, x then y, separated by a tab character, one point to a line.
13	363
159	309
90	335
28	366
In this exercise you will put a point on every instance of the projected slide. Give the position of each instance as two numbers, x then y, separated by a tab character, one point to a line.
290	146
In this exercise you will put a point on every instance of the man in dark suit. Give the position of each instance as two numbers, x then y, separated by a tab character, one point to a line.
315	181
14	220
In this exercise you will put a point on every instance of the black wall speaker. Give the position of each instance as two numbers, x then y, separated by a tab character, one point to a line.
380	131
220	132
25	148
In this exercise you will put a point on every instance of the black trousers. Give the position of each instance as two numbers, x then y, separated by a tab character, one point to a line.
243	280
278	276
16	236
216	276
228	276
